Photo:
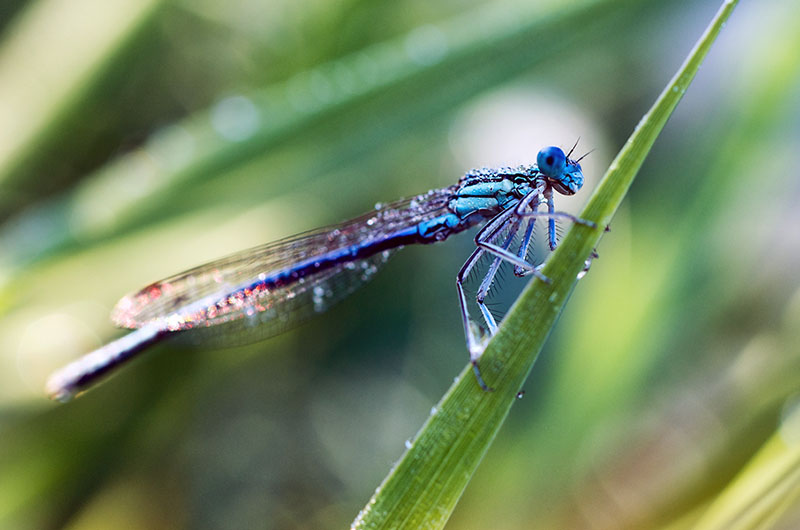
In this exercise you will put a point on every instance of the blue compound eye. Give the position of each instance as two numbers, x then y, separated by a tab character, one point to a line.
551	161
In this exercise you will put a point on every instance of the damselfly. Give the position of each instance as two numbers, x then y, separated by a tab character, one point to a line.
267	289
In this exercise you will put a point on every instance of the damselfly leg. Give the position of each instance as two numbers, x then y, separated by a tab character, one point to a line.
496	239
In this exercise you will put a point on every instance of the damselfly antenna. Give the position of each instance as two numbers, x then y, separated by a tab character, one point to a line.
573	147
586	154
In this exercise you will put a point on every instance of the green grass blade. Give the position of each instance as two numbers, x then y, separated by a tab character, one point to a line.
765	489
424	487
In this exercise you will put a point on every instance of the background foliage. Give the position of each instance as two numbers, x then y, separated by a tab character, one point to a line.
140	138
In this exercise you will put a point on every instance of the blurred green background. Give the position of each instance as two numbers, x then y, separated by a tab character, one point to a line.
142	137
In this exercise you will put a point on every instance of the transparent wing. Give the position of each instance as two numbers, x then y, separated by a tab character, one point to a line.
228	290
290	307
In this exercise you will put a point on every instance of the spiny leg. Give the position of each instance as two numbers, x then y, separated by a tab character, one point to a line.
513	259
522	267
486	284
531	200
524	245
473	346
560	215
487	234
551	235
551	216
552	240
551	222
546	196
483	240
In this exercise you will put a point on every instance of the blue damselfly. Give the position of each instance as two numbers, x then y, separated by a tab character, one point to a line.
265	290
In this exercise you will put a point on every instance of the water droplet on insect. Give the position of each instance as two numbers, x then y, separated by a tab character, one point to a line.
318	298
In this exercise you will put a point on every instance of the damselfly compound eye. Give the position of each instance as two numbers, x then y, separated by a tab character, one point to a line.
551	161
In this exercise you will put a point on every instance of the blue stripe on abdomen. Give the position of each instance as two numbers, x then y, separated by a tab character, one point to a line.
406	236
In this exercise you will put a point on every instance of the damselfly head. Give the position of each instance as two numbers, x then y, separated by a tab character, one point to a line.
563	174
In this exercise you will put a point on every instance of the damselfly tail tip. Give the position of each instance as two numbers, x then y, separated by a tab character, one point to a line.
60	394
59	389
